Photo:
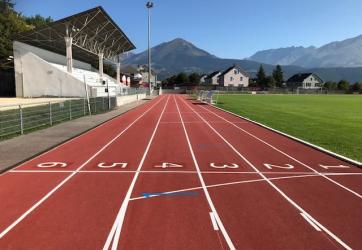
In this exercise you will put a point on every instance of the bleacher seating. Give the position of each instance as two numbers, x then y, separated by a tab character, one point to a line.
93	80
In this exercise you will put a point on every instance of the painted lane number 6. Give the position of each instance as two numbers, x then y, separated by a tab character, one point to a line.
52	165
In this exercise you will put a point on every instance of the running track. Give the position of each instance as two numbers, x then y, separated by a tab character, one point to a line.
212	181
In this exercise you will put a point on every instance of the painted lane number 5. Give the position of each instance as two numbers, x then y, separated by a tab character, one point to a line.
113	165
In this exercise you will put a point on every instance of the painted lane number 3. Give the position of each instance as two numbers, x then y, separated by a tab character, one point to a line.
232	165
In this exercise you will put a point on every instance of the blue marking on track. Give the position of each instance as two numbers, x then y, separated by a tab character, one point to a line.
153	194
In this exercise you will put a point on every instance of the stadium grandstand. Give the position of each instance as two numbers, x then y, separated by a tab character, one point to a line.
61	58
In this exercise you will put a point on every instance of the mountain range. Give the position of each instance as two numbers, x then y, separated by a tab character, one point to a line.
179	55
346	53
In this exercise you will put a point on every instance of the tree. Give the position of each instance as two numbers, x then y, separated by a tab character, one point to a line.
343	85
182	78
330	85
261	77
37	21
278	76
270	82
12	23
194	78
356	87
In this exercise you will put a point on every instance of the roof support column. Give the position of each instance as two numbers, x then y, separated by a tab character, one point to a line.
100	55
69	56
118	72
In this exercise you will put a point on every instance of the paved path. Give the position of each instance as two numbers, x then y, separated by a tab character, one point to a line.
21	148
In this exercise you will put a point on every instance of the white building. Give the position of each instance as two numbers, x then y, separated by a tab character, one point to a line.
305	81
212	78
234	76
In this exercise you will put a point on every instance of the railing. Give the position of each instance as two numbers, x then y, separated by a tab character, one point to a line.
20	119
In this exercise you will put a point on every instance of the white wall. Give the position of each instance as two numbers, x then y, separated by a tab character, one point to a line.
121	100
35	77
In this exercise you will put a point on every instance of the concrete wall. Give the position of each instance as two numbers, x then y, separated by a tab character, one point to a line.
35	77
121	100
49	56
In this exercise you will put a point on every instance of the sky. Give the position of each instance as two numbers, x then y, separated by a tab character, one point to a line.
226	28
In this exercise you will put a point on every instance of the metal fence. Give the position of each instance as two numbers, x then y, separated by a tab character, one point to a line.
19	119
250	90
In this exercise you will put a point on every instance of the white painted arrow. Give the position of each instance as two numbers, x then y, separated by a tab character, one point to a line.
328	167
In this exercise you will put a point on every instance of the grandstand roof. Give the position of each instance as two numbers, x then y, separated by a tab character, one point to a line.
93	31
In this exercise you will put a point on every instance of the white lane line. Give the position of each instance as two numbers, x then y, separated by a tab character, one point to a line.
193	122
306	217
287	155
213	221
230	183
179	172
18	220
211	204
41	171
118	223
293	203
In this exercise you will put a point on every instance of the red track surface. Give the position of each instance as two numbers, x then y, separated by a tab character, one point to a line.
235	185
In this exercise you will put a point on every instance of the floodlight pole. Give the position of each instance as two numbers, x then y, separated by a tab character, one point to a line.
149	5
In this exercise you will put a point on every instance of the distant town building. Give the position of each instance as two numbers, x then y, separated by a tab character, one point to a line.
212	78
305	81
203	79
143	70
234	76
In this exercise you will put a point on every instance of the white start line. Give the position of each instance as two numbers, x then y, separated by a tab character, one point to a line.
165	165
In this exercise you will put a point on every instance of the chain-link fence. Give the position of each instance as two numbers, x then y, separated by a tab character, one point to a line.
20	119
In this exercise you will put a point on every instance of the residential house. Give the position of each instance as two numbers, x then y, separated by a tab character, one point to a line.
305	81
234	76
203	79
211	79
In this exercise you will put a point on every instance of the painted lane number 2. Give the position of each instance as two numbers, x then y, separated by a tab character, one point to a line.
270	166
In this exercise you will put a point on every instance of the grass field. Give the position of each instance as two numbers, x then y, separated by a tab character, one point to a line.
333	122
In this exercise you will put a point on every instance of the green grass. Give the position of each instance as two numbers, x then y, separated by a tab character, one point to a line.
333	122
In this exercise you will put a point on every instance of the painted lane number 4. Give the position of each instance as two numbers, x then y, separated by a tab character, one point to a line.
232	165
168	165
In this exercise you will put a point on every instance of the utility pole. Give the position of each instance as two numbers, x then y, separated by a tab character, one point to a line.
149	5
